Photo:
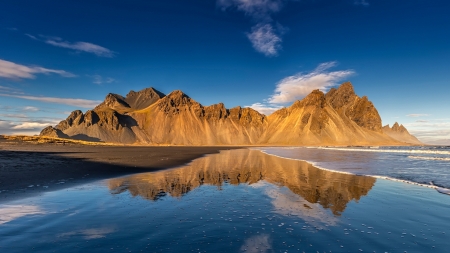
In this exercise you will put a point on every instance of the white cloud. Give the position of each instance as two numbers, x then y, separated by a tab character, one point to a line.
15	71
30	125
416	115
265	109
265	40
98	79
79	46
298	86
78	102
264	36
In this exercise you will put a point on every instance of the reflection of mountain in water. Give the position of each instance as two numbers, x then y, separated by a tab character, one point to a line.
330	189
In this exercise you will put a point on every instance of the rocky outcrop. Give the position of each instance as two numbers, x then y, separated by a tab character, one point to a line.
53	132
400	133
359	110
339	117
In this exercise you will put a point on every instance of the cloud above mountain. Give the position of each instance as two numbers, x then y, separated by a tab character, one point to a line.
297	86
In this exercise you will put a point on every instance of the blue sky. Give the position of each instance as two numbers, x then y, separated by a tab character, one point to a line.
58	56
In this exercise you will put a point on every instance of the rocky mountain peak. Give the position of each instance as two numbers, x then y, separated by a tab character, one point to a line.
177	99
315	98
148	92
341	96
143	98
150	117
113	101
398	128
74	118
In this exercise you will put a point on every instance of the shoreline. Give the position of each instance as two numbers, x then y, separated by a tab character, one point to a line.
31	169
439	189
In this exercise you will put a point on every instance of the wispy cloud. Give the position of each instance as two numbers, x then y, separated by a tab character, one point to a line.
265	40
84	47
361	2
264	36
433	131
31	108
78	102
25	120
257	9
31	36
296	87
16	71
416	115
98	79
79	46
14	115
10	90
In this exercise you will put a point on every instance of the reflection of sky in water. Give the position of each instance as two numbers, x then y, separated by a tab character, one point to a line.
252	203
11	212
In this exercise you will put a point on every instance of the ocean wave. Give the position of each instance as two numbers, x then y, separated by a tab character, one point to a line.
410	151
442	190
430	158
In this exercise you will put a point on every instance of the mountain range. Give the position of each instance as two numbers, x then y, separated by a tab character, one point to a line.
149	117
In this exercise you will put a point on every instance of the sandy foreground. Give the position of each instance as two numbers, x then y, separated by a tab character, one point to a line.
30	169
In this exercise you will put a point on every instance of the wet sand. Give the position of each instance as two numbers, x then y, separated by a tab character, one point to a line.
31	169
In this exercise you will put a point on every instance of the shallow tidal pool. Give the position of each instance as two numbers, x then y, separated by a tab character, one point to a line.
235	201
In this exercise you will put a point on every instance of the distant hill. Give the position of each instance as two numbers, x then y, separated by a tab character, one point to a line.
400	133
338	117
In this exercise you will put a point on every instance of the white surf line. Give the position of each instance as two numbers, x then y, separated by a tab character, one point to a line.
437	188
387	150
429	158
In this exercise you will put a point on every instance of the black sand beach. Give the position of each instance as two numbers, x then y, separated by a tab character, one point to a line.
29	169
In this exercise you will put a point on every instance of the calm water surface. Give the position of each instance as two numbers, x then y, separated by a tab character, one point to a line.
235	201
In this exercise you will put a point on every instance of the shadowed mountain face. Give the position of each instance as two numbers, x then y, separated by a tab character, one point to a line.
330	189
339	117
